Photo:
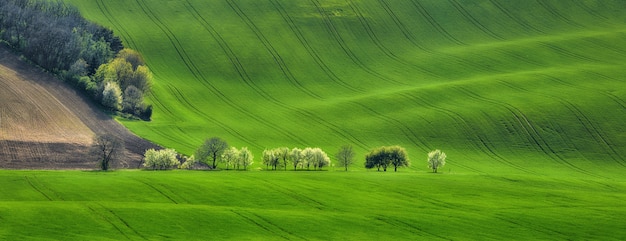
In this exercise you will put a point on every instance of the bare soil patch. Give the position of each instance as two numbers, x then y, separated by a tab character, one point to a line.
45	124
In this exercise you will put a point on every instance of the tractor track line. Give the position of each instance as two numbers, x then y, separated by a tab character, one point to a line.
459	119
453	115
435	24
554	12
332	30
258	224
270	48
37	189
198	74
299	111
408	132
312	52
380	45
108	221
234	59
531	131
107	13
586	122
179	96
473	20
517	20
402	27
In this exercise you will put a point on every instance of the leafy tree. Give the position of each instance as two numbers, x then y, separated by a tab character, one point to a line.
436	159
112	96
231	157
211	148
107	149
160	159
345	156
131	56
133	101
377	158
245	158
384	156
296	157
399	157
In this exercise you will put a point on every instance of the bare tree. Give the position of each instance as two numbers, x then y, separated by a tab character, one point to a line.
212	148
345	156
107	149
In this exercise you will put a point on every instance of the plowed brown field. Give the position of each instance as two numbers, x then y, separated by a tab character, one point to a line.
45	124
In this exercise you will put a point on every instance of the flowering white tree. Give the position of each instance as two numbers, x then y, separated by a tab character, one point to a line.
245	158
270	158
230	157
161	159
296	157
436	159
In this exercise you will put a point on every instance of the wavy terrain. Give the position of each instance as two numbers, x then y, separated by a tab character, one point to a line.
513	85
46	124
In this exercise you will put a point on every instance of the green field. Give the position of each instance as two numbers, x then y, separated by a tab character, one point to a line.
527	98
518	84
196	205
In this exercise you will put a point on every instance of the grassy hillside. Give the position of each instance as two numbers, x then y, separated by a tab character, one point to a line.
140	205
521	85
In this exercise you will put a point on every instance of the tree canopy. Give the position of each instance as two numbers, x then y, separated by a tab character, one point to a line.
384	156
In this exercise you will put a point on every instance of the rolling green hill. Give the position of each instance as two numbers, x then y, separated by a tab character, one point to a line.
524	86
196	205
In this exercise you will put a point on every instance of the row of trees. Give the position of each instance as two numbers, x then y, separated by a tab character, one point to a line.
108	148
54	36
296	157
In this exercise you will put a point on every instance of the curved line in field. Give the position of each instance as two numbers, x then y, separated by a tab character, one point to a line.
408	35
594	131
37	189
258	224
567	53
405	31
380	45
518	20
592	12
107	13
234	59
268	97
182	99
198	74
123	222
332	30
473	20
435	24
530	129
102	216
312	52
301	112
408	132
467	127
270	48
554	12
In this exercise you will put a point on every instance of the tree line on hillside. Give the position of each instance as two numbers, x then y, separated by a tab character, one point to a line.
215	151
57	38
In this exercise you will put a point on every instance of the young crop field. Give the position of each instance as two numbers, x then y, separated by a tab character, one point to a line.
527	98
200	205
518	84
